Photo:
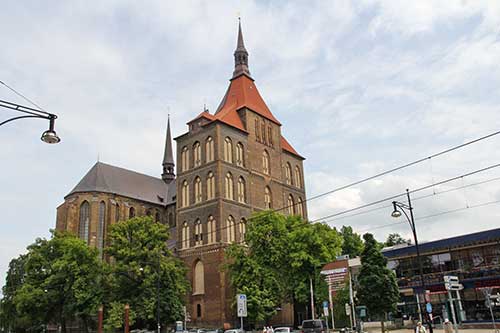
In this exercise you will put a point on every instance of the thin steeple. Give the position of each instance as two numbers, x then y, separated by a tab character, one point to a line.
240	55
168	158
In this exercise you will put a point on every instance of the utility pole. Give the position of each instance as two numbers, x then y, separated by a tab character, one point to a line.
312	297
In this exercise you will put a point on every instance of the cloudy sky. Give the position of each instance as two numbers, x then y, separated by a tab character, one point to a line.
360	87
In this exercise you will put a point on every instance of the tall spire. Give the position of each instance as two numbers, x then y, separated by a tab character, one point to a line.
240	55
168	158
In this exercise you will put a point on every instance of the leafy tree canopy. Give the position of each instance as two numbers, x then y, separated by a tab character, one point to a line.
395	239
378	289
281	254
140	257
352	242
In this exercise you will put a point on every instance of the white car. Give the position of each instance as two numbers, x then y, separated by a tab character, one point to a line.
283	330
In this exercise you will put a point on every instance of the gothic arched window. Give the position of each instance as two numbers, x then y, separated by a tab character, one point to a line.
198	233
102	220
288	173
83	231
185	235
210	186
228	150
131	212
266	168
171	222
300	207
184	159
231	232
298	177
229	186
242	229
197	190
209	147
197	154
211	230
241	190
185	194
268	201
199	278
290	205
117	213
240	157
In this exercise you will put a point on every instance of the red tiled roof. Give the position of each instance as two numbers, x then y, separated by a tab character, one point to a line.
242	92
204	114
286	146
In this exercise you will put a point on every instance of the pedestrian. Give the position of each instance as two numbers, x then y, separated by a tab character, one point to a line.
448	327
271	329
264	330
420	328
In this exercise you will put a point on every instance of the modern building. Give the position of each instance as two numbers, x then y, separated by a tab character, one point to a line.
473	258
229	164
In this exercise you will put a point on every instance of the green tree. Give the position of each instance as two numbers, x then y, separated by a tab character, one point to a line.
378	289
140	257
352	242
340	299
395	239
56	281
281	255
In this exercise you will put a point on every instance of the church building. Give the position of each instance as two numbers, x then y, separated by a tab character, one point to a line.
230	164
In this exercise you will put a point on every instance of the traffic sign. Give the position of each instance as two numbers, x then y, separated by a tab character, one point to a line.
325	308
347	309
241	300
428	307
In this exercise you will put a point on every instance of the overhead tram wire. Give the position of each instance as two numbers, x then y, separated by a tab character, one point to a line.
319	220
414	199
21	95
404	193
432	215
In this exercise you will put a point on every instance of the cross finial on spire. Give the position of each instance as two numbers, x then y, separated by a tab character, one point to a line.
240	55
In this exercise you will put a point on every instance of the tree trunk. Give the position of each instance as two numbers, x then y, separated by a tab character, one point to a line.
382	325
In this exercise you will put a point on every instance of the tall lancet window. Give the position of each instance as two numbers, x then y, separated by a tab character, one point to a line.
266	167
229	187
198	233
209	147
185	159
210	186
300	207
228	150
83	231
102	220
241	190
240	159
197	154
268	201
211	230
185	235
197	190
230	229
290	205
185	194
298	177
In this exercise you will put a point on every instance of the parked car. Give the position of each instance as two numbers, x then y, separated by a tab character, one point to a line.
283	330
314	326
234	331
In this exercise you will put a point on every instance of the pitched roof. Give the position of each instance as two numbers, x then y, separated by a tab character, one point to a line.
111	179
286	146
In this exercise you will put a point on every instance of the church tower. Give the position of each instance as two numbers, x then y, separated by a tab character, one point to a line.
230	164
168	158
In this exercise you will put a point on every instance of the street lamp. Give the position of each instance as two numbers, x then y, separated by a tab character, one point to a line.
50	135
396	214
157	291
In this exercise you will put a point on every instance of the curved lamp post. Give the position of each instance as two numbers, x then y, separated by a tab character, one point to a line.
50	135
396	214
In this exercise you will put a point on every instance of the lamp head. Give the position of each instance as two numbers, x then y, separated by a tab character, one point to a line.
50	136
396	213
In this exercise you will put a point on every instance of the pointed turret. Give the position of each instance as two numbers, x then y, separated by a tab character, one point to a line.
168	158
240	56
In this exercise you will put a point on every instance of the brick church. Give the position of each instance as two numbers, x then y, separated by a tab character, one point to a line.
229	164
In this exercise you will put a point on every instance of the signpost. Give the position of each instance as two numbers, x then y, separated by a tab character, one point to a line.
325	313
241	300
451	283
491	301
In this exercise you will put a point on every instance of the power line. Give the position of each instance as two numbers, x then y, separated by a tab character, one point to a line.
215	230
432	215
21	95
398	168
404	193
414	199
